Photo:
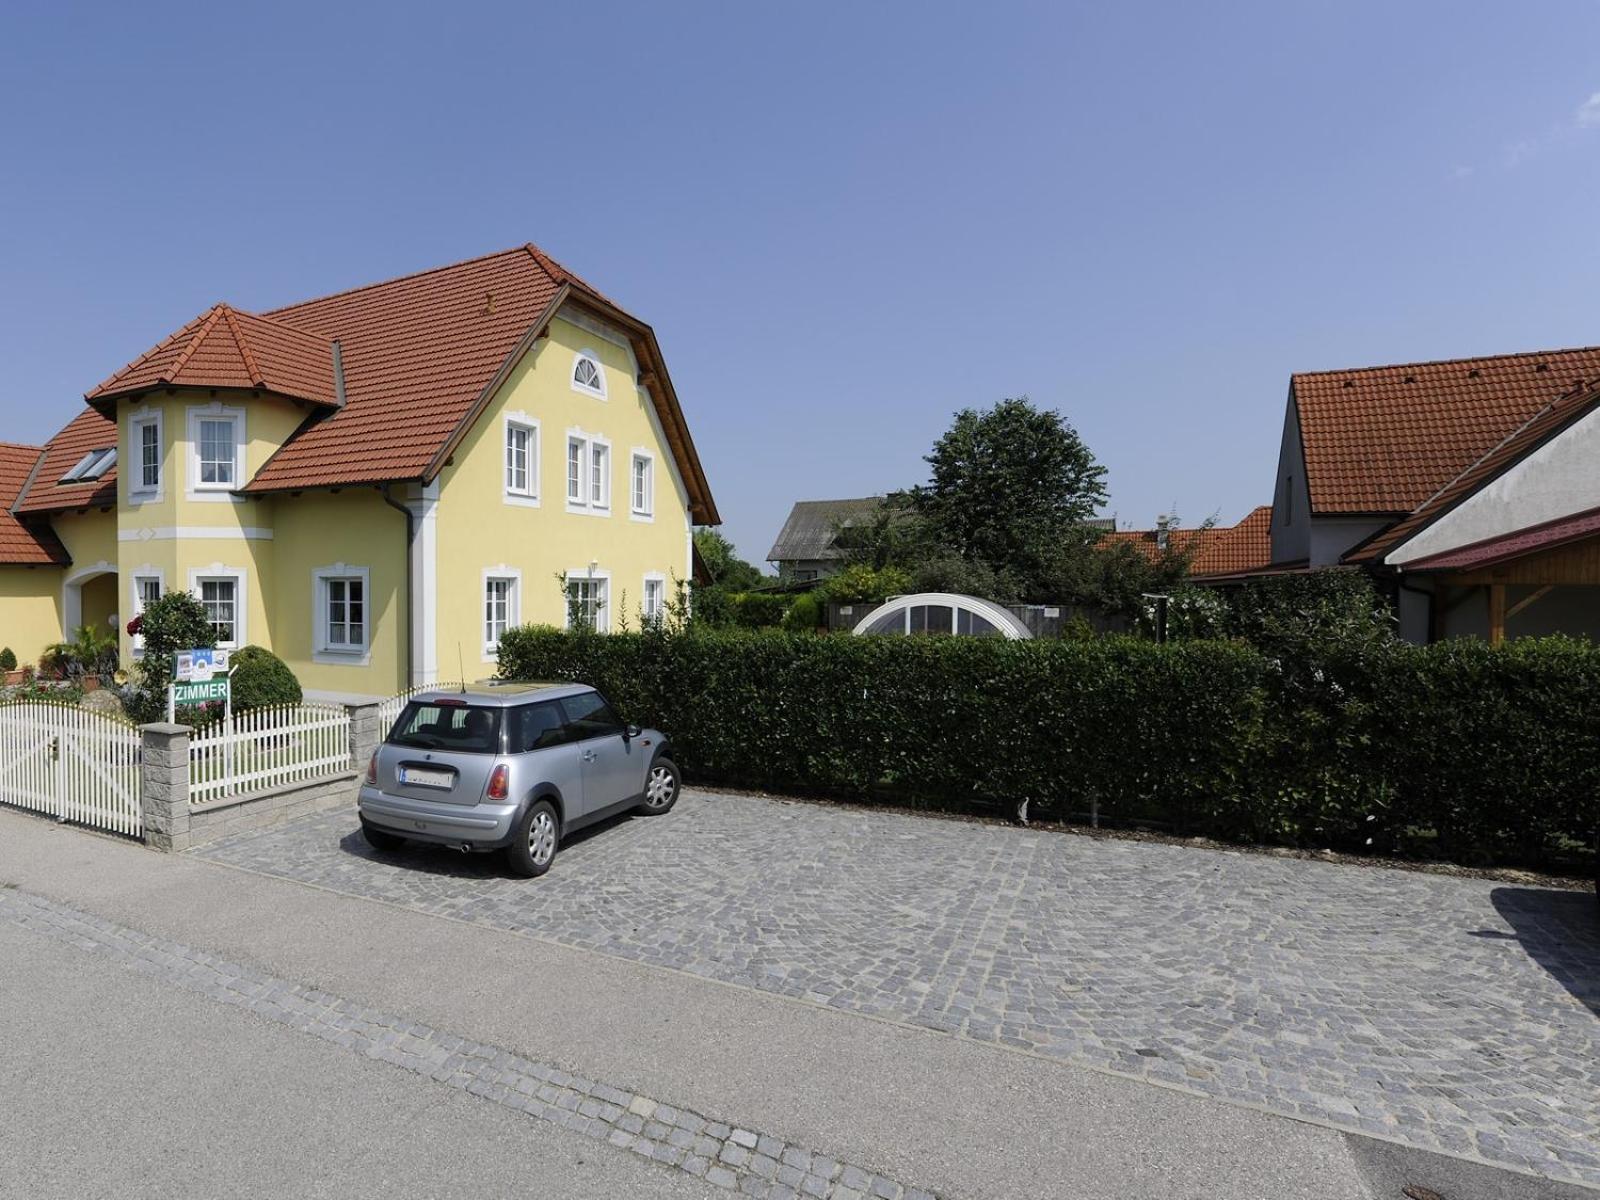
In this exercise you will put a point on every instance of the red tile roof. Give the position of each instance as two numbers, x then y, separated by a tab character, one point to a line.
224	347
23	542
1244	547
1533	433
1547	536
1144	541
85	432
420	354
1385	439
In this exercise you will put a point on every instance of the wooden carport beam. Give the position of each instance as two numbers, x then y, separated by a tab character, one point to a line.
1497	613
1529	601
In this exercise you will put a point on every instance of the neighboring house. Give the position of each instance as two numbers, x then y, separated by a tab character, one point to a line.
807	547
375	485
1219	551
1465	484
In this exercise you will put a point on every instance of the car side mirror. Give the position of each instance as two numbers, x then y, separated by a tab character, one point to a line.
630	732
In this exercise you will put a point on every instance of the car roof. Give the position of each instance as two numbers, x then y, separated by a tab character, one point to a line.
495	694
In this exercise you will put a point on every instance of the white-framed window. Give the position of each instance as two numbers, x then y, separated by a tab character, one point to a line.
216	454
502	606
599	475
221	593
522	458
642	484
577	456
341	599
588	376
147	585
655	598
144	454
589	599
588	473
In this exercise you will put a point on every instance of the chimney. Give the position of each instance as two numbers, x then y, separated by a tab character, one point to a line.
338	372
1163	522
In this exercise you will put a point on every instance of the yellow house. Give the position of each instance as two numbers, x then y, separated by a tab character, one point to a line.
374	485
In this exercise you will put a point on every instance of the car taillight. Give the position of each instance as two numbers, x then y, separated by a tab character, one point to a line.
500	782
372	768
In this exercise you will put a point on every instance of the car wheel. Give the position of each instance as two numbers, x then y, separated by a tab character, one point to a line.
381	839
533	848
660	788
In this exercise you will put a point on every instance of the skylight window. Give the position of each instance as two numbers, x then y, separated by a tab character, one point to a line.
91	466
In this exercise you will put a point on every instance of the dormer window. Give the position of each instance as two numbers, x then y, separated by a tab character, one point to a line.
92	465
587	376
215	452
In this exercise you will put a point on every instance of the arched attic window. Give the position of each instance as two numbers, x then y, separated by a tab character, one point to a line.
587	375
942	612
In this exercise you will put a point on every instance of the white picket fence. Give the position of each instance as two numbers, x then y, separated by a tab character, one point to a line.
268	748
389	711
71	763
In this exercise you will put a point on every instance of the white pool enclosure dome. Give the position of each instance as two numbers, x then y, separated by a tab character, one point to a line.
942	612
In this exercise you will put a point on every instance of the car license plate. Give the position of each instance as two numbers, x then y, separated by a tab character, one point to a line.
424	778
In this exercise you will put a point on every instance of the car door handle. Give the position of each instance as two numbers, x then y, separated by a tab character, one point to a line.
588	756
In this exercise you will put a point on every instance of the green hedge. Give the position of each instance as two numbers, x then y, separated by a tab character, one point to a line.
1458	750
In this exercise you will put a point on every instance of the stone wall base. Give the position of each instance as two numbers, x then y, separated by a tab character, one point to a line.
236	814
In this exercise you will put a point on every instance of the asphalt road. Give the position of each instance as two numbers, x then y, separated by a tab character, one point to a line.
116	1084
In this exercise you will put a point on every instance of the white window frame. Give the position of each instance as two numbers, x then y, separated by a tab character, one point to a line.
217	492
588	355
602	622
138	421
144	574
217	573
323	648
646	512
659	580
587	444
527	497
500	574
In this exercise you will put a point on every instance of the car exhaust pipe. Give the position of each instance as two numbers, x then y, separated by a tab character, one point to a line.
466	847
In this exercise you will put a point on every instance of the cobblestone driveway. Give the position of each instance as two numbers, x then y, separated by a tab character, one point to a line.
1454	1015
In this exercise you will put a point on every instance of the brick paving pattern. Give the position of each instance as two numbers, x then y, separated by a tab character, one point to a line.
727	1156
1454	1015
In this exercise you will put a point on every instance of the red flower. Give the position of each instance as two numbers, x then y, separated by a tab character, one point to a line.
135	625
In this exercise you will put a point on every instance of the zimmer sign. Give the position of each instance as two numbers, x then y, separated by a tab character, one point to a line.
200	677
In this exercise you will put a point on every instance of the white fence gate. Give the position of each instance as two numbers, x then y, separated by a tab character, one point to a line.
267	748
389	711
71	763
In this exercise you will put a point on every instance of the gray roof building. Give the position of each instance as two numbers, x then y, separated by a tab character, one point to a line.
806	542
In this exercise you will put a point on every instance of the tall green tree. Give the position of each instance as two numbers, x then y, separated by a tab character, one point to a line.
1008	482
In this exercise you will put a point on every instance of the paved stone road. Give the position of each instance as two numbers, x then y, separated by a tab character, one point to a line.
737	1159
1453	1015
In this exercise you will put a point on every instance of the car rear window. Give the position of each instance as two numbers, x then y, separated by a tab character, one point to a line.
448	725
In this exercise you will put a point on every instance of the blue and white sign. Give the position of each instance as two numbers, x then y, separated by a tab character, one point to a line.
200	665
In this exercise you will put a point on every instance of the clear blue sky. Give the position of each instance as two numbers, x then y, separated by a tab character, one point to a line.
844	221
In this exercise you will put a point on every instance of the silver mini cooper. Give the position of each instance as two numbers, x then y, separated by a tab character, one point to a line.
514	766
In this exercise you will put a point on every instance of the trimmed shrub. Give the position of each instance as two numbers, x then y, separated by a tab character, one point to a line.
1457	750
261	678
757	610
806	613
8	659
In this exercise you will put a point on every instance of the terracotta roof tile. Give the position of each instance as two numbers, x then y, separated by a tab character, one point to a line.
1144	540
23	542
85	432
1384	439
224	347
1246	546
1533	433
417	352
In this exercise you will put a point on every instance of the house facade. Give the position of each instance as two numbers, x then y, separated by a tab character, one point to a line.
1466	487
374	485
